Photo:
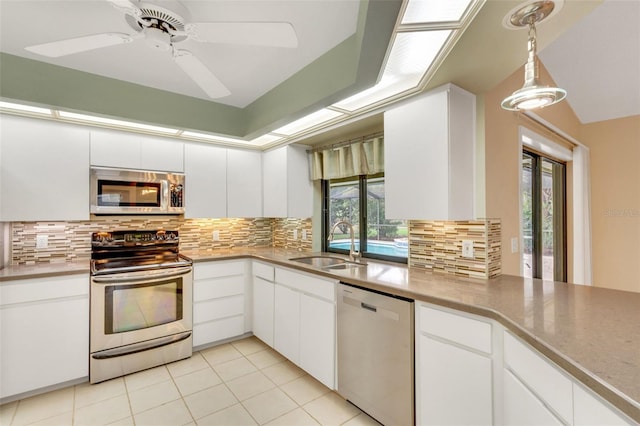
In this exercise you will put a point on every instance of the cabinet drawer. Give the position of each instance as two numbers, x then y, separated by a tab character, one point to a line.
540	376
217	269
32	290
263	271
217	330
325	289
465	331
213	288
217	309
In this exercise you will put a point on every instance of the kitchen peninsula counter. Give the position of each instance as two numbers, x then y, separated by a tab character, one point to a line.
593	333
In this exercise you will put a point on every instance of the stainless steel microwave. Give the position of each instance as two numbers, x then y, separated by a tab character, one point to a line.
124	191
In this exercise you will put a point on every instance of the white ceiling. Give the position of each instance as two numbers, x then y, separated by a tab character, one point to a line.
248	71
597	61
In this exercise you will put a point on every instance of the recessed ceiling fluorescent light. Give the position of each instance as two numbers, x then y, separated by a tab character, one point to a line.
308	121
210	137
265	139
115	123
10	106
411	56
432	11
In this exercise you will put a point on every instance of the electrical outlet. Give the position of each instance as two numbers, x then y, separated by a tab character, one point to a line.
215	235
304	235
467	248
295	234
42	241
514	245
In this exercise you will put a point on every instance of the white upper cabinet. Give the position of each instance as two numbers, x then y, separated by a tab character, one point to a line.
205	181
161	154
244	183
44	170
112	148
429	156
288	191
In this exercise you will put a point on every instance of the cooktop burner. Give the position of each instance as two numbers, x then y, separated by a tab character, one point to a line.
127	251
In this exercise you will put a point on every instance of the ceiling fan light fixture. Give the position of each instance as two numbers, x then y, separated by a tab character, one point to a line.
532	95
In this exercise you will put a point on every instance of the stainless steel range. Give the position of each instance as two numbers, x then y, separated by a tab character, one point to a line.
141	302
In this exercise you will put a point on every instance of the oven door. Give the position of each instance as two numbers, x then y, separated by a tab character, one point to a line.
130	308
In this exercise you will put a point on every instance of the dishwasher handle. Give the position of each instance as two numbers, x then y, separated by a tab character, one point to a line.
383	312
368	307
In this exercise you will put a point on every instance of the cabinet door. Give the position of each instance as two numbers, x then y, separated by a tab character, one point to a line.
454	385
589	410
275	182
317	339
263	300
44	170
299	185
161	154
244	183
286	328
430	140
205	181
43	344
521	407
111	148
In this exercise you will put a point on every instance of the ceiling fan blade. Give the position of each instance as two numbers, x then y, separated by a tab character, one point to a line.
274	34
127	6
79	44
200	74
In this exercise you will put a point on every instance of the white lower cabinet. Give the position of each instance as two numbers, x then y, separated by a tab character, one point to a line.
317	338
537	391
44	338
218	301
305	323
521	406
453	376
286	323
591	410
263	302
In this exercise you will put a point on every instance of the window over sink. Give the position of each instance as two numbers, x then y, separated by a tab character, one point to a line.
360	201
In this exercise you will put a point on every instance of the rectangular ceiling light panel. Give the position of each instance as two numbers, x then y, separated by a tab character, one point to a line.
434	11
308	122
210	137
412	54
10	106
265	139
89	119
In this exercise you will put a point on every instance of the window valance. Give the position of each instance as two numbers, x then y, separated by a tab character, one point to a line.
362	156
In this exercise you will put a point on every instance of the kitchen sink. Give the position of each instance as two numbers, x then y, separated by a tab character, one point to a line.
346	265
327	262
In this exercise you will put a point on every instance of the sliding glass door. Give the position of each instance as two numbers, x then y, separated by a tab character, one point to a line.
543	217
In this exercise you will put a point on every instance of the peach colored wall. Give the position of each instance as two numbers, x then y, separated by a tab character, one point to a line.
502	152
615	201
615	181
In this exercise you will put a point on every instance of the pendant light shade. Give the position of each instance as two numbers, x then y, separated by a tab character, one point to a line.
532	95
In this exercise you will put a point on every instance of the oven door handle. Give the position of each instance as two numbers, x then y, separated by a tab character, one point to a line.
142	275
141	347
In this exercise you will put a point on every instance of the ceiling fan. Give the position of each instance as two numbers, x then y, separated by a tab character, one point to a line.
164	26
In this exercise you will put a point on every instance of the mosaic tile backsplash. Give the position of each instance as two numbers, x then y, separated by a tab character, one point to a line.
437	246
433	245
69	241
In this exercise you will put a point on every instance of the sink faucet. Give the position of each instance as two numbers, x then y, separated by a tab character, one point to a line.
353	254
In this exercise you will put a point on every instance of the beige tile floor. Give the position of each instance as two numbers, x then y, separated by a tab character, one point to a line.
239	383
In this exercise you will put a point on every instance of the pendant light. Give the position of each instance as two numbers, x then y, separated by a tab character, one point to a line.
532	95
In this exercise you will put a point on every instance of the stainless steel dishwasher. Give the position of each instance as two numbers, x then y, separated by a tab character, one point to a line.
375	354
